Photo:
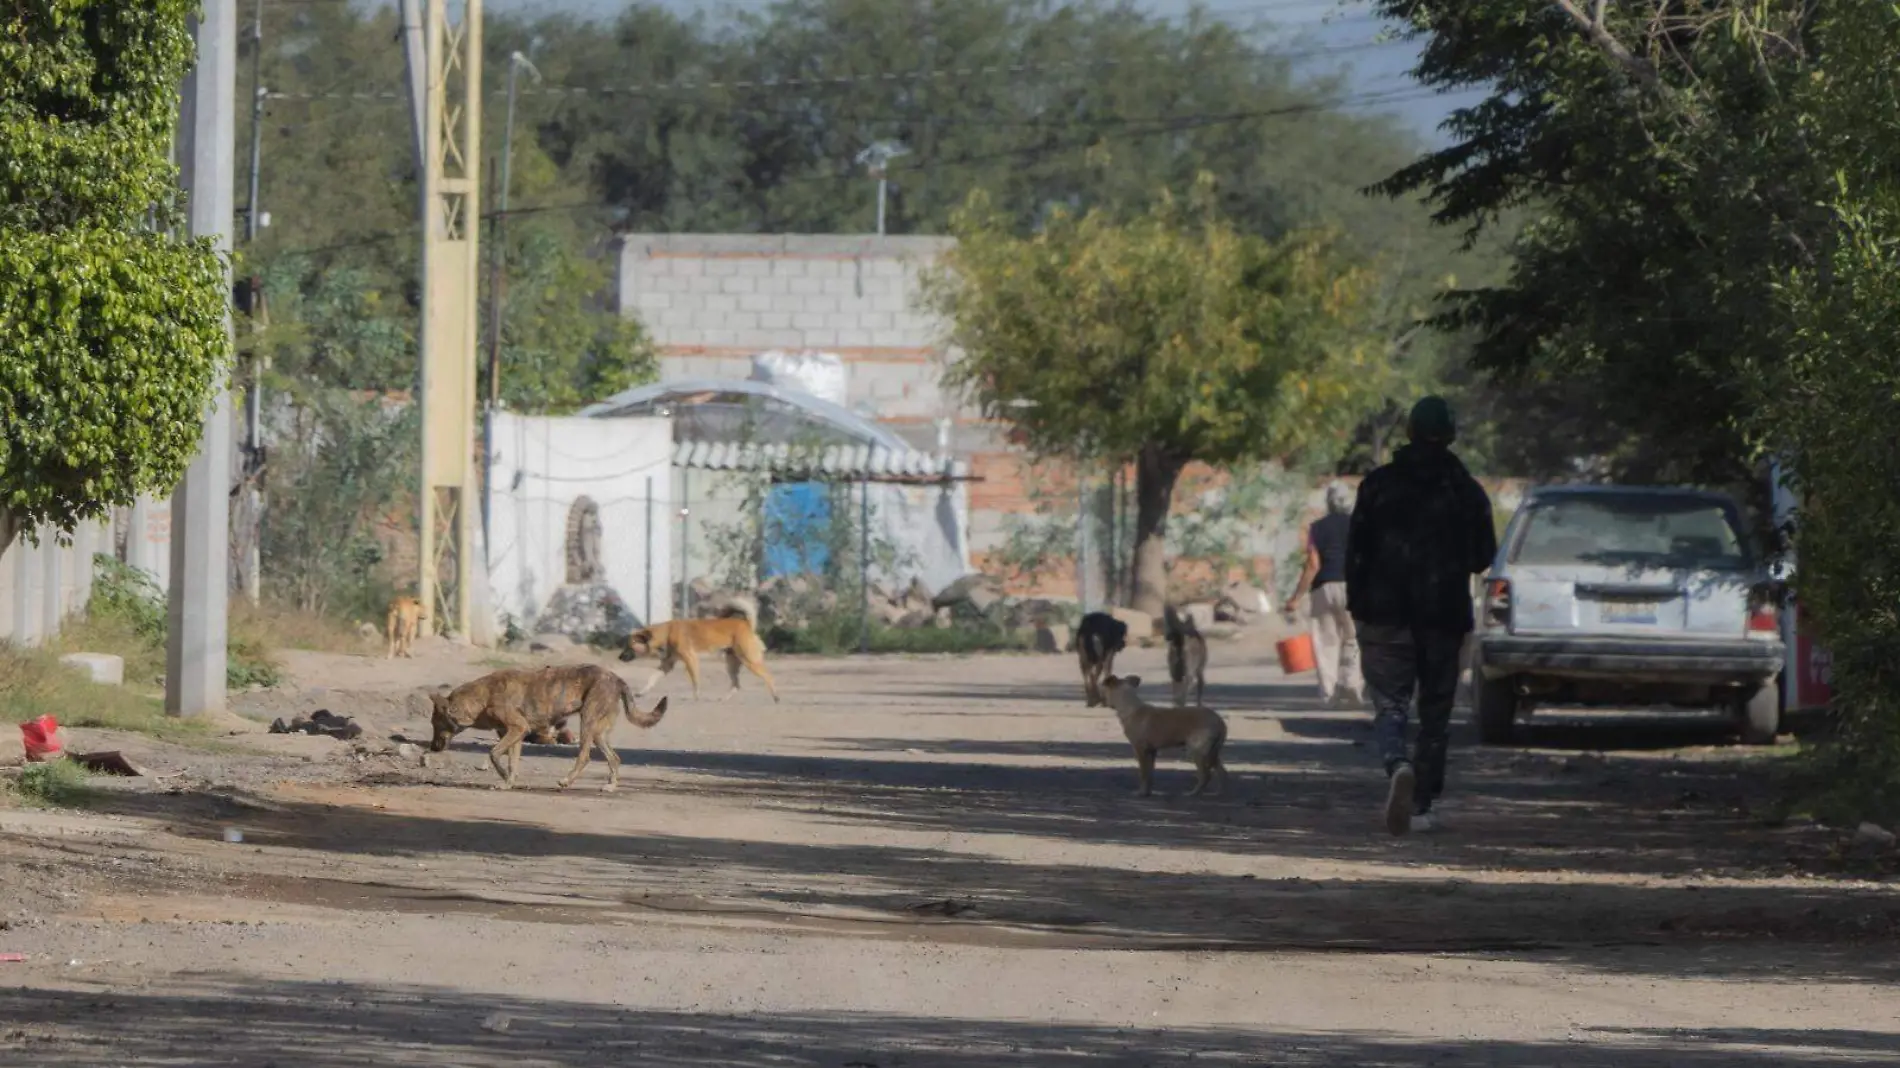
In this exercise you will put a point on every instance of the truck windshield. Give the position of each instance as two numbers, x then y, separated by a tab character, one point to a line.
1642	530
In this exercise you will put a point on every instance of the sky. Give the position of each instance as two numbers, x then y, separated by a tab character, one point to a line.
1349	41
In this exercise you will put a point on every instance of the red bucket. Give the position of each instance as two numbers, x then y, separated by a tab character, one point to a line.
1296	654
42	740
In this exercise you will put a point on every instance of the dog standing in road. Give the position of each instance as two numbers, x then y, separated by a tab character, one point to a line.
515	702
1097	639
406	616
1151	728
1187	655
682	640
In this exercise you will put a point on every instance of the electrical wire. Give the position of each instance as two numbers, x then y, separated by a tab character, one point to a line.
993	70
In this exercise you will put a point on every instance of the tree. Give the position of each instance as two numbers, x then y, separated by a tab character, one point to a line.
1172	338
1829	407
562	346
1670	189
112	326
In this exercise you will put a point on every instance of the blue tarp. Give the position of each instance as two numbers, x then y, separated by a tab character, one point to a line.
797	519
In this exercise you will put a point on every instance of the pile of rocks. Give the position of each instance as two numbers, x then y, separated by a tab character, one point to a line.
584	613
784	601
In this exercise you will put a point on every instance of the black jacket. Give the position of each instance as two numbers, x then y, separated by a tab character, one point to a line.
1421	529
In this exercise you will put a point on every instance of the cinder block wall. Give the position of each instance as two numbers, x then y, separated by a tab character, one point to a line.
711	301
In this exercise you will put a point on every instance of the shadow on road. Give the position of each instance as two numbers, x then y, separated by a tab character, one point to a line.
346	1025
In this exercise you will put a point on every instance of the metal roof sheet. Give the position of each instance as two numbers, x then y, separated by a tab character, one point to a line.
843	463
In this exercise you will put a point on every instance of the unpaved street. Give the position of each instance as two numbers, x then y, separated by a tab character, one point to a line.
928	862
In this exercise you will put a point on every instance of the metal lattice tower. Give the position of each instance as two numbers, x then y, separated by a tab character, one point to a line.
449	119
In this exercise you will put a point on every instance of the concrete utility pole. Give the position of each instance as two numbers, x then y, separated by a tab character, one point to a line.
451	123
201	507
497	283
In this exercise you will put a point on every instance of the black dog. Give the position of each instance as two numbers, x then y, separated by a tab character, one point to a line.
1097	641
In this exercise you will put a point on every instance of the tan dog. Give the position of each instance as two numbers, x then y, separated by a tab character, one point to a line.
405	622
1151	728
516	701
682	640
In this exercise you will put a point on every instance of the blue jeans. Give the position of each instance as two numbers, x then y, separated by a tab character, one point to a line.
1397	662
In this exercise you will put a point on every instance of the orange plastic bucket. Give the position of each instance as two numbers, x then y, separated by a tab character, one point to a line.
1296	654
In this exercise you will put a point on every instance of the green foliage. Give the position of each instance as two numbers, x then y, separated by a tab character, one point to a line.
1670	189
128	593
60	782
562	348
113	330
749	124
1845	372
1175	332
336	326
344	467
1171	338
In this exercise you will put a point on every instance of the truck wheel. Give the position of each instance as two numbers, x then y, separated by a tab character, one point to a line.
1758	714
1496	710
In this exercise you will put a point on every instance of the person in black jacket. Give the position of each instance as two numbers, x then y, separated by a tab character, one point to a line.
1422	528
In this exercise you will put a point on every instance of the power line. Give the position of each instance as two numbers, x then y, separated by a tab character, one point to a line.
1168	125
883	77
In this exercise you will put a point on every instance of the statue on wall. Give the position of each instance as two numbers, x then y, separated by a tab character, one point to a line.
583	544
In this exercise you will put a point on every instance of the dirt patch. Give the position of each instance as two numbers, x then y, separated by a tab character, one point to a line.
956	819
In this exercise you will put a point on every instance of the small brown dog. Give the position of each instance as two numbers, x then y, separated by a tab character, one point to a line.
405	622
682	640
1187	655
1151	728
514	702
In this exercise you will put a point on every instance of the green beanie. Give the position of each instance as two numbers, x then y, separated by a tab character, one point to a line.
1431	421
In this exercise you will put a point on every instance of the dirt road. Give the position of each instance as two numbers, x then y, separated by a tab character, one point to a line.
932	862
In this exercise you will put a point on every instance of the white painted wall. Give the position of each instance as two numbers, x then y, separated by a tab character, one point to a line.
542	465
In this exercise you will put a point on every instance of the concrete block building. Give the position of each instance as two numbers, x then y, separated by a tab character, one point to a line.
712	301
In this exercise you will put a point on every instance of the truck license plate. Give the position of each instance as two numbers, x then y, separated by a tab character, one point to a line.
1627	612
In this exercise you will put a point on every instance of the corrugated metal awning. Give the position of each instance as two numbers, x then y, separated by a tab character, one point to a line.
833	463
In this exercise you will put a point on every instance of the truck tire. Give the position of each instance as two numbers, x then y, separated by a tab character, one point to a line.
1758	714
1497	703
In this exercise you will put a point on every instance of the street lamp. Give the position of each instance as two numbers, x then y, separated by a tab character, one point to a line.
497	278
877	160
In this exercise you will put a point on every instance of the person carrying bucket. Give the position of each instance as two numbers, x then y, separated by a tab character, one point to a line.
1335	648
1421	530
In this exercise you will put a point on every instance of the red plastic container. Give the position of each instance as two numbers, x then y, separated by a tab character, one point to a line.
42	739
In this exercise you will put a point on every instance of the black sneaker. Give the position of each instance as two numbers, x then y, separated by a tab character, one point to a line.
1399	799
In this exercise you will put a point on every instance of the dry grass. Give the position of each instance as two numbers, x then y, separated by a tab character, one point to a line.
33	683
119	636
276	626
